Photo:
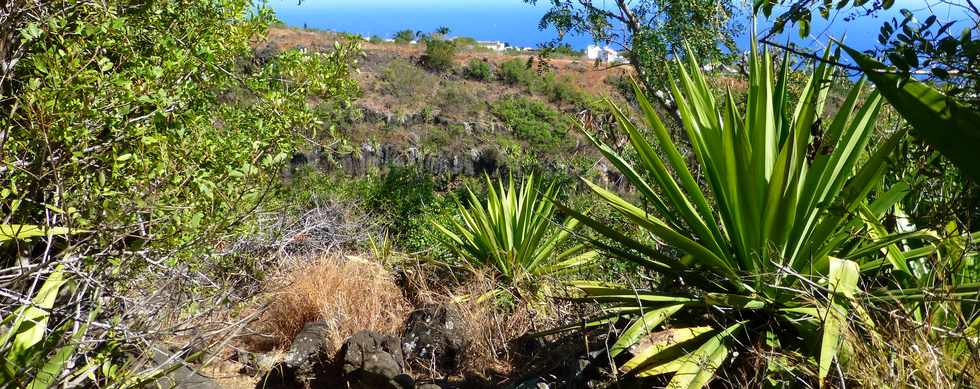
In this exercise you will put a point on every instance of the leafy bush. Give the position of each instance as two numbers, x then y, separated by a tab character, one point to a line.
560	89
515	72
513	233
792	254
404	36
398	196
177	153
376	39
153	130
532	120
439	55
478	70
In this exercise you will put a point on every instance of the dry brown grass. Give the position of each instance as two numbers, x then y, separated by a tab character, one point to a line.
490	328
914	356
349	293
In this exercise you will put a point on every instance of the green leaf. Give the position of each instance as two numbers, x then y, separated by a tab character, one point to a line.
660	351
842	283
943	122
733	301
26	231
32	321
642	326
699	367
52	369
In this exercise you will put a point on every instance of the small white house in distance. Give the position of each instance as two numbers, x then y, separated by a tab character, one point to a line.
493	45
603	54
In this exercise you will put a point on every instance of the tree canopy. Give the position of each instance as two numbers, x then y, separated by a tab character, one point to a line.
935	39
649	32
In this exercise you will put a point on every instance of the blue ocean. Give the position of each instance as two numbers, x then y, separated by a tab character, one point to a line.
516	22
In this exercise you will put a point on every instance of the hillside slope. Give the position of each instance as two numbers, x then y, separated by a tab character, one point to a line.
447	122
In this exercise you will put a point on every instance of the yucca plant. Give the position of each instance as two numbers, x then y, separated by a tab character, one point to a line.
776	247
513	233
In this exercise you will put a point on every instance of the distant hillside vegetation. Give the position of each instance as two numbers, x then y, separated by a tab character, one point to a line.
515	108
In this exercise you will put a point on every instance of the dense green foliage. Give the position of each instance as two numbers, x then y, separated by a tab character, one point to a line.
439	55
561	50
113	132
478	70
152	130
515	72
532	120
793	250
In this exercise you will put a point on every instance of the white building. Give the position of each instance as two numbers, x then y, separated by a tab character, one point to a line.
603	54
493	45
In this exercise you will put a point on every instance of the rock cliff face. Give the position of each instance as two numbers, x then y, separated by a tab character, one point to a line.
469	155
476	161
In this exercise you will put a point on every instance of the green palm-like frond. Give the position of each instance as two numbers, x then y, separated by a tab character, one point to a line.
781	231
514	233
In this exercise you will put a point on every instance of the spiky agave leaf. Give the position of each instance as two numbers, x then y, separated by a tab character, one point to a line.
786	196
513	232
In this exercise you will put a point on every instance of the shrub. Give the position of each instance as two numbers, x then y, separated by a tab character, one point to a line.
514	234
457	100
439	55
376	39
478	70
793	252
560	90
406	81
532	120
398	196
404	36
515	72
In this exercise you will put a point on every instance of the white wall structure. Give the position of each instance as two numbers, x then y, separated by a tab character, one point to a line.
603	54
592	52
493	45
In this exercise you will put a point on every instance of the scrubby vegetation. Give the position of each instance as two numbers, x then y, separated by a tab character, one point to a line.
478	70
439	55
532	120
404	36
186	187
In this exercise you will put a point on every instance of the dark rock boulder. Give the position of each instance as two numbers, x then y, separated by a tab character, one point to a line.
308	359
434	335
372	360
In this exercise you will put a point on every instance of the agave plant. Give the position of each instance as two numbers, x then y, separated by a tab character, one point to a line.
514	232
776	247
